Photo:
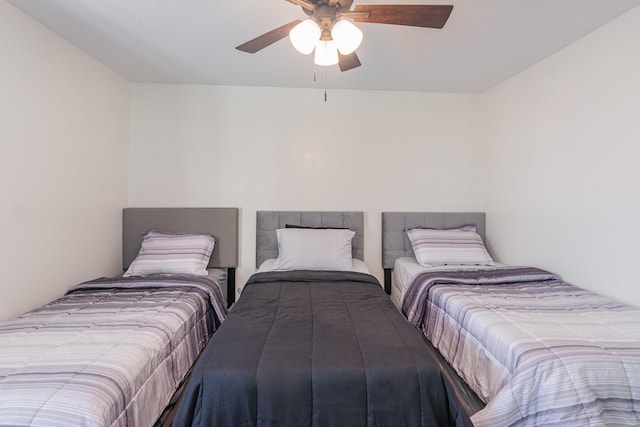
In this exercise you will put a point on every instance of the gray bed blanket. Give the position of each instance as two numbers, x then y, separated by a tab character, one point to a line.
306	348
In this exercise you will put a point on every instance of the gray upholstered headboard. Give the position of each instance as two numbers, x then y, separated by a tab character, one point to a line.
268	221
396	244
221	223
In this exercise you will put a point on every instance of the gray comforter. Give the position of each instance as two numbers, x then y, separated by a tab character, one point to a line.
306	348
539	351
109	353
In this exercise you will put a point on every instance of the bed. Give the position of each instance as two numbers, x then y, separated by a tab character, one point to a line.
317	344
532	348
114	351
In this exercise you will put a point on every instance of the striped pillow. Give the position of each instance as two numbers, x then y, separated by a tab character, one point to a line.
172	253
448	247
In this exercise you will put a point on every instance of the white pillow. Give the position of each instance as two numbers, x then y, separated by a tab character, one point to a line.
314	249
172	253
433	247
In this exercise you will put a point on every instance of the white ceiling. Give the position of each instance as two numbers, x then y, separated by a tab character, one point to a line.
192	41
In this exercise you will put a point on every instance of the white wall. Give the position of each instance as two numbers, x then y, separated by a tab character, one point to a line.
63	164
286	149
554	147
563	159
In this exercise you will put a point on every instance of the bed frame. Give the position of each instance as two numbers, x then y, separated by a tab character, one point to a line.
396	244
267	222
221	223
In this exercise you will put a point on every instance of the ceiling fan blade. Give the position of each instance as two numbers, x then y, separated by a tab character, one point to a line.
430	16
347	62
306	4
267	39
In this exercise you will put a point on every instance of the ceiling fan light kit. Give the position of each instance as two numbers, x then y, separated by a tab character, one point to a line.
334	38
307	35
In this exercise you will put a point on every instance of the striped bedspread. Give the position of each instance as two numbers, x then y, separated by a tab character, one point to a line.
108	353
539	351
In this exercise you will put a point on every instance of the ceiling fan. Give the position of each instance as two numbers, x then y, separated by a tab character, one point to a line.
334	38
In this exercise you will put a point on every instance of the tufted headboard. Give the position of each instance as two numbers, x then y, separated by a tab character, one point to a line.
396	244
267	222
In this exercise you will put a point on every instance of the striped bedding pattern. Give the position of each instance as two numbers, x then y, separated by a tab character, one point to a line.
459	246
109	353
174	253
538	350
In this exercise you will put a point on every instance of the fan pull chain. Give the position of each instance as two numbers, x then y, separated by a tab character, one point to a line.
315	69
325	84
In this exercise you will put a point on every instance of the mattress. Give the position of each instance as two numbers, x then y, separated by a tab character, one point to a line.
220	276
317	348
406	268
111	352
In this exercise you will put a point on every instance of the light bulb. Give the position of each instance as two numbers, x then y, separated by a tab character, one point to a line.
326	53
305	35
346	36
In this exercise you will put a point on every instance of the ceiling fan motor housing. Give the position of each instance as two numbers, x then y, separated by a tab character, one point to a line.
326	16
